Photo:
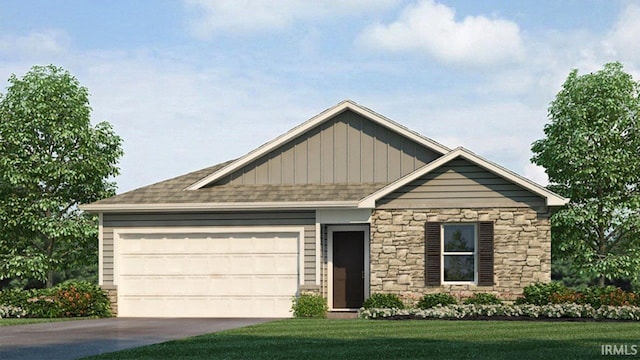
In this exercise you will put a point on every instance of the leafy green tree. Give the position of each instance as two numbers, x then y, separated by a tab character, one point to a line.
51	160
591	153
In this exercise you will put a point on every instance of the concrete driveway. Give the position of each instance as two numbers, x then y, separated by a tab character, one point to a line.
80	338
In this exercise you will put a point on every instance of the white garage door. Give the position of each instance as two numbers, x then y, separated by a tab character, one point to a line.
207	274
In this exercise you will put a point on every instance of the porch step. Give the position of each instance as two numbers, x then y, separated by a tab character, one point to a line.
342	315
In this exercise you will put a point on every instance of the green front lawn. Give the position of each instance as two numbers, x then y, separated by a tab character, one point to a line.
381	339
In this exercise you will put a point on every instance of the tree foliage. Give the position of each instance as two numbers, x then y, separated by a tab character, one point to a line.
591	154
51	160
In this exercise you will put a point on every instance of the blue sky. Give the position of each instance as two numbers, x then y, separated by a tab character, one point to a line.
192	83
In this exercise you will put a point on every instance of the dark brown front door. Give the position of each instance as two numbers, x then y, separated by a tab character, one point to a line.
348	269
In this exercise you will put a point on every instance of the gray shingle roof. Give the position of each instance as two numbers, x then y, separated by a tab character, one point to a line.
173	191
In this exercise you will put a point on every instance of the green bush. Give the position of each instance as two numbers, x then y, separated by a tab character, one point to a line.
431	300
82	299
309	306
610	295
540	293
70	299
10	311
383	301
483	299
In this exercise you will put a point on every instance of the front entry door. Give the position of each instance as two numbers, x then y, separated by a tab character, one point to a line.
348	269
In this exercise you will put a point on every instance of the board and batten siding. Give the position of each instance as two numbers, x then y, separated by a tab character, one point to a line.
299	218
346	149
460	184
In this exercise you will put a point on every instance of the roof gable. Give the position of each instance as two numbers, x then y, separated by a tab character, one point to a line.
258	159
460	184
550	198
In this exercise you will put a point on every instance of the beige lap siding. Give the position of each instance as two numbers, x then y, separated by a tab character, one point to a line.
522	250
249	219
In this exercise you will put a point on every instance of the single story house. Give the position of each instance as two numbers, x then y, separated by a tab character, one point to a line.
347	204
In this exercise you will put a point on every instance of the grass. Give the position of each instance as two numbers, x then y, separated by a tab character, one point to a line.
26	321
414	339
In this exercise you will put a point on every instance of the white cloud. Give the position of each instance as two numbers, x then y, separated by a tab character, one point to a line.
243	16
35	44
622	41
536	173
432	28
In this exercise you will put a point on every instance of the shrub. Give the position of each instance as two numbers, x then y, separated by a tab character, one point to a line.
10	311
566	297
596	297
81	299
483	299
540	293
309	306
70	299
431	300
383	301
509	311
609	295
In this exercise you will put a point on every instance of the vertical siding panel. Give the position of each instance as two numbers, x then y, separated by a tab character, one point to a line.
301	165
262	171
408	163
394	156
313	158
275	169
236	179
327	153
288	165
348	148
424	156
380	155
353	150
340	152
367	151
249	175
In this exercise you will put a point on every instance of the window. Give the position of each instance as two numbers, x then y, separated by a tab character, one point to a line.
459	252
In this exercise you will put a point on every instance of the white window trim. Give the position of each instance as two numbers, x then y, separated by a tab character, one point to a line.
367	268
443	253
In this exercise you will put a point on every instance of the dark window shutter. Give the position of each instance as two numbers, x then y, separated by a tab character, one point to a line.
432	254
485	254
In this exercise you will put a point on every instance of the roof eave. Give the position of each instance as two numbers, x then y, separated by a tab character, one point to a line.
164	207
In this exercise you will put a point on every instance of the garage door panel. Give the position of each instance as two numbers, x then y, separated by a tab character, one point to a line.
206	307
207	275
207	286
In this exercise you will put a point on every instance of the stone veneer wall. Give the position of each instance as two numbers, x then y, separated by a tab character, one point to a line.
112	294
522	250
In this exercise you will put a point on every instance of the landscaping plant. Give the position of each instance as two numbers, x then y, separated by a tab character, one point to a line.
309	306
383	301
540	293
431	300
69	299
483	299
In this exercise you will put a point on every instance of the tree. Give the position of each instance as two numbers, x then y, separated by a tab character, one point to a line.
51	160
591	154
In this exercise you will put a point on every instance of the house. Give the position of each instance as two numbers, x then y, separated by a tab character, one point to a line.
346	204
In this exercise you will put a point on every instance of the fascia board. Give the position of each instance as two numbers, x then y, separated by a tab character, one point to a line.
159	207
